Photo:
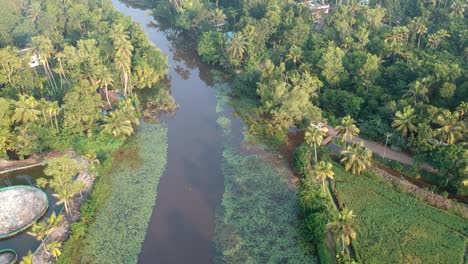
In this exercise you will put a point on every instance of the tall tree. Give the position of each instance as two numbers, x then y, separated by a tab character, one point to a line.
347	129
236	48
26	109
62	171
40	232
435	39
451	129
405	121
54	248
322	171
344	226
418	91
82	109
314	137
123	54
331	64
117	124
356	158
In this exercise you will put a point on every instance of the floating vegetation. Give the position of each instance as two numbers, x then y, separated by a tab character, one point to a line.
257	220
120	227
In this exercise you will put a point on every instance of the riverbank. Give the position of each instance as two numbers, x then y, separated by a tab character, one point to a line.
35	160
62	232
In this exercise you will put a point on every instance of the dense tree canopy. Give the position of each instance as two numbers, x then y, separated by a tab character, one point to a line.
393	66
64	66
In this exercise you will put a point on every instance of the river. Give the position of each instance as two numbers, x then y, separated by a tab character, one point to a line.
182	224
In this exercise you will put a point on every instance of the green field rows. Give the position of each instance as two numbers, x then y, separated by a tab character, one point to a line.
393	227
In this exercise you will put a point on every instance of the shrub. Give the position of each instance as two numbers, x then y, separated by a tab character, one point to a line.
301	160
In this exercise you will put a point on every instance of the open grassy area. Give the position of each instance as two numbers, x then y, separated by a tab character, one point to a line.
114	220
394	227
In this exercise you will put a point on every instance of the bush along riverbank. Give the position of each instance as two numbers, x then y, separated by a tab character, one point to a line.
120	206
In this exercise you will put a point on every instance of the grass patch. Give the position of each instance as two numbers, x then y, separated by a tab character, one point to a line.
257	220
114	220
394	227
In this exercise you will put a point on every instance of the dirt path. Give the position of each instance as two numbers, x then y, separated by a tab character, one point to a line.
379	149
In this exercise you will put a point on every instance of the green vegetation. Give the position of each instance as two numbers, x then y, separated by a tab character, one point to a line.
395	67
120	207
257	220
65	66
393	227
63	171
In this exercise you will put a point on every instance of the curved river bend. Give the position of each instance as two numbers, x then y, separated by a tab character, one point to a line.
182	223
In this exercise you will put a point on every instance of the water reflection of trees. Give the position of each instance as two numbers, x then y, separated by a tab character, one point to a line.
184	50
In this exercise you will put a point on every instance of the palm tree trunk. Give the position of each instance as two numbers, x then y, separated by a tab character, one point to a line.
45	248
315	151
419	40
107	94
51	119
323	183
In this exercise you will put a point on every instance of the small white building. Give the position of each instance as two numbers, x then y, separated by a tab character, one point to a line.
34	60
317	6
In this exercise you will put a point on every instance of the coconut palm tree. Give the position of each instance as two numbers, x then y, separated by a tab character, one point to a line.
53	109
117	124
236	47
451	129
314	137
343	226
43	47
42	105
294	55
347	129
54	221
28	259
123	54
436	38
462	110
104	80
145	76
322	171
40	232
405	121
54	248
25	109
418	91
418	28
218	17
356	158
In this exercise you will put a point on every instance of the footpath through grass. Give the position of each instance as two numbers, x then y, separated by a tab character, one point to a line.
394	227
114	220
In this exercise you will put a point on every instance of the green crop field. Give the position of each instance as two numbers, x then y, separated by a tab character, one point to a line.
394	227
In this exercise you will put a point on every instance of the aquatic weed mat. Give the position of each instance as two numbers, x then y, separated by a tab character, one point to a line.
120	227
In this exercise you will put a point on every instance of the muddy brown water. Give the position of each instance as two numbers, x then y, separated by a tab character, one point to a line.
23	242
182	223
